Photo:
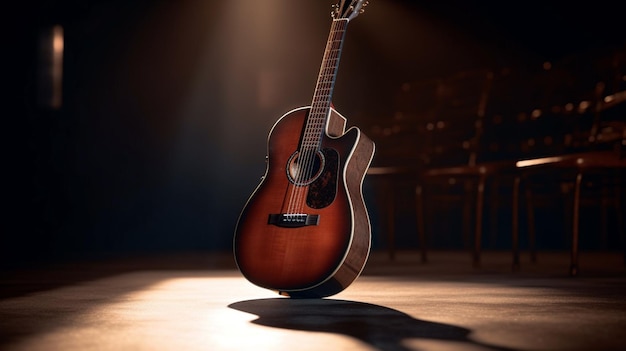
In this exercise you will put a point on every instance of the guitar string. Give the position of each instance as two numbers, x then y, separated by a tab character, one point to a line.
318	115
298	192
321	105
322	109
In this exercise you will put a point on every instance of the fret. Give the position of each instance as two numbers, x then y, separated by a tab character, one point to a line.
321	98
320	106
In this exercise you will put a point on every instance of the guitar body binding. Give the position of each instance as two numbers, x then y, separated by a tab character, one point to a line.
320	250
305	231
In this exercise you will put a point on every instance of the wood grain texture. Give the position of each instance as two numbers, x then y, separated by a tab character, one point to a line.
308	261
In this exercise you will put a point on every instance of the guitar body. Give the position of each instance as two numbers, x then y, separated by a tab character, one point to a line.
322	247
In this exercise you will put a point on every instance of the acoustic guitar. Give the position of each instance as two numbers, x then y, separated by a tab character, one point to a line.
305	231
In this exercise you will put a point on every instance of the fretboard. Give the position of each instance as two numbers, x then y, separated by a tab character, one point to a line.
320	107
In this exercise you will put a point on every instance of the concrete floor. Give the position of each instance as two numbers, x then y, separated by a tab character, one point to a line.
200	302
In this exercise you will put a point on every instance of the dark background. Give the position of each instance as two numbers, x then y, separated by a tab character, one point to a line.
167	104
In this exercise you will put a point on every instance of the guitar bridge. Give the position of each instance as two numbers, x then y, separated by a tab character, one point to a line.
293	220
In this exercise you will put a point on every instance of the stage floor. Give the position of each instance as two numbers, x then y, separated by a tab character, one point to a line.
200	302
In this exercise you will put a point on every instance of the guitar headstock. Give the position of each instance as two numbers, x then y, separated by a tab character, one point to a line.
348	9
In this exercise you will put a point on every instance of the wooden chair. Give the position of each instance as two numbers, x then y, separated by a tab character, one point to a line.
457	135
398	158
591	148
432	142
450	172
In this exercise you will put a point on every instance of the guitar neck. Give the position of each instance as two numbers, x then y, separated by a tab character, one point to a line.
320	107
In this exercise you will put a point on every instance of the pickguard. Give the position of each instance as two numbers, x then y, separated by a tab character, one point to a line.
323	189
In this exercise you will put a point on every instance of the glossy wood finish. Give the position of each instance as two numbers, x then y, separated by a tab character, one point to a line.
316	260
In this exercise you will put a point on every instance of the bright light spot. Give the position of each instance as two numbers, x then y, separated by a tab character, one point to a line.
536	113
539	161
57	66
57	41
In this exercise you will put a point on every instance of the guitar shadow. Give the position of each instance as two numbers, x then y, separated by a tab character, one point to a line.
380	327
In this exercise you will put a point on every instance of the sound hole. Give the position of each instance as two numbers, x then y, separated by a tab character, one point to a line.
304	167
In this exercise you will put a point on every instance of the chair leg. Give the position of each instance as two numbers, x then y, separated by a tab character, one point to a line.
479	221
494	206
467	215
421	236
575	228
620	218
391	228
515	224
530	214
604	218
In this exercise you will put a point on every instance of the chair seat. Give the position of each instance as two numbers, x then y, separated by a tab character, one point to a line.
583	160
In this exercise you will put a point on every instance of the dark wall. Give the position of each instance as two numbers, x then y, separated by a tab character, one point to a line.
167	105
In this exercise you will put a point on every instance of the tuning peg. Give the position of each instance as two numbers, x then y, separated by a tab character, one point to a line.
362	9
